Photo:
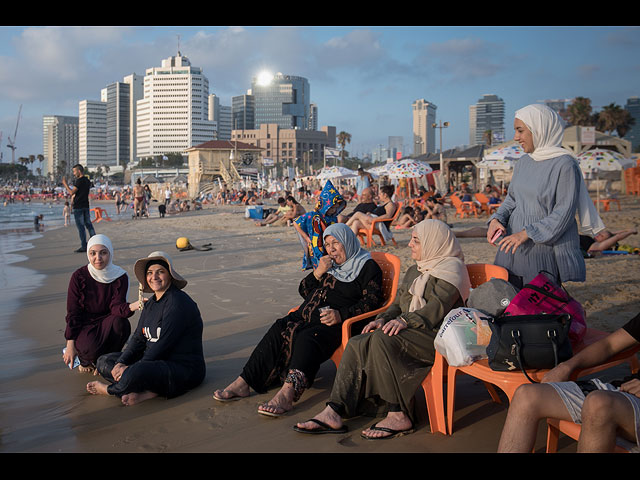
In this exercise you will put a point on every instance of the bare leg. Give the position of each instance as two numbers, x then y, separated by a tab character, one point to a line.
531	403
605	415
238	388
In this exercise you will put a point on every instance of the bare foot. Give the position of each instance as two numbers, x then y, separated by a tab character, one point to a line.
238	389
396	421
280	404
87	369
135	398
328	416
97	388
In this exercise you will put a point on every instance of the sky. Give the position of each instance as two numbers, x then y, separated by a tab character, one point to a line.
363	78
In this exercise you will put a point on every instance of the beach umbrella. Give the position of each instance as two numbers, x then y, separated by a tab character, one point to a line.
602	160
513	151
334	172
407	169
497	163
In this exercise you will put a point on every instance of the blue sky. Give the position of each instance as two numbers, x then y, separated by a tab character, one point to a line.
363	79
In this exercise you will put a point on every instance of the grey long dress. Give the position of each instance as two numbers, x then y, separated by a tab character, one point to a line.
376	370
543	200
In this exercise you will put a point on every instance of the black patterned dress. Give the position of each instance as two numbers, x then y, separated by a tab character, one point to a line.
299	341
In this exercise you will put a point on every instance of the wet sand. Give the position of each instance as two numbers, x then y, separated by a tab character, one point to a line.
249	279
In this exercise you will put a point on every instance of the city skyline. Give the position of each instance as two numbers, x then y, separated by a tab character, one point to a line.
363	79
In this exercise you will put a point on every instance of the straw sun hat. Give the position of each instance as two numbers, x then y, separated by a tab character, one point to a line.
140	270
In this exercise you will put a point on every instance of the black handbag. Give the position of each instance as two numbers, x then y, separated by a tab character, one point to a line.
539	341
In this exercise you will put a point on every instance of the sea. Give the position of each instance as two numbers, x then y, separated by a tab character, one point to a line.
17	232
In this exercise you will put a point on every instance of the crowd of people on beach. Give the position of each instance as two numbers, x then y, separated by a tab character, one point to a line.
535	228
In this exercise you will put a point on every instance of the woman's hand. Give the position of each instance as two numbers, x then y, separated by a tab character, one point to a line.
494	226
137	305
373	325
330	317
70	353
632	387
324	264
395	326
513	241
117	371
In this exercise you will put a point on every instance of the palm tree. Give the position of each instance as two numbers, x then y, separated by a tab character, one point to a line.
614	118
343	139
579	112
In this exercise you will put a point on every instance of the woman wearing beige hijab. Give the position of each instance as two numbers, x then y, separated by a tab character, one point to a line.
381	369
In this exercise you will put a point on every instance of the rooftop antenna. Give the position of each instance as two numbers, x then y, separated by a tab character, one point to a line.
179	45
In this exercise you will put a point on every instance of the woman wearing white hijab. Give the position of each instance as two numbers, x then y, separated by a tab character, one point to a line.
537	217
97	308
349	282
381	369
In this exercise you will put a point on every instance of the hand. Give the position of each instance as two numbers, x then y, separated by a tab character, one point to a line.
69	354
513	241
373	325
393	327
494	225
330	317
560	373
632	387
137	305
117	371
324	264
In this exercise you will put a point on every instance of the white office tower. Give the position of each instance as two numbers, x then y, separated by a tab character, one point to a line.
92	133
424	137
174	113
60	141
136	92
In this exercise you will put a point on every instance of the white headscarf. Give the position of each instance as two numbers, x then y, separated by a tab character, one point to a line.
110	272
547	129
441	257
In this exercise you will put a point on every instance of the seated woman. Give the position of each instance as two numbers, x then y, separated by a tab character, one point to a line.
283	208
164	356
97	308
382	368
435	210
386	210
406	219
348	281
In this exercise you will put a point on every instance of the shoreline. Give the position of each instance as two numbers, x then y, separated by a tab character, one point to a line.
242	285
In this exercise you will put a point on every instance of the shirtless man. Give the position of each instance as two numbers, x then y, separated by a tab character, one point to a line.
138	198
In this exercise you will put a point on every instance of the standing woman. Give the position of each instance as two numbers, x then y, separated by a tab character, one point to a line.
97	307
537	217
164	356
381	369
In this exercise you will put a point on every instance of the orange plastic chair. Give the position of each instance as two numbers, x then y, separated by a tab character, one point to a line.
390	266
509	382
100	214
555	427
607	201
373	230
463	207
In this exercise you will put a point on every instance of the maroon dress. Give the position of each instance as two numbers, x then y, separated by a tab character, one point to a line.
97	315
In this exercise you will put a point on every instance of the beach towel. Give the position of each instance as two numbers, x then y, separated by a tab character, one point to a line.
329	205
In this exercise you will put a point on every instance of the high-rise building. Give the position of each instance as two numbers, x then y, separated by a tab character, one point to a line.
60	142
283	100
313	117
633	135
424	137
395	147
173	115
118	127
136	92
221	115
487	115
92	133
243	112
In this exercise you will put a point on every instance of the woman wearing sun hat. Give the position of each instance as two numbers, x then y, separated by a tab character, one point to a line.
164	356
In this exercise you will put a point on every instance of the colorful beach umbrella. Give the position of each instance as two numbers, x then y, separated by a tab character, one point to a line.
512	151
603	160
407	169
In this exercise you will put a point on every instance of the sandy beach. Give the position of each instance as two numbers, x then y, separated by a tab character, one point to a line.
249	279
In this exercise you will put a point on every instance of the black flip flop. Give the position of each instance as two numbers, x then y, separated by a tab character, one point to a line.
394	433
324	428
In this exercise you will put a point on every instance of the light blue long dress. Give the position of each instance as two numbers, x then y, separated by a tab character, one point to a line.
543	200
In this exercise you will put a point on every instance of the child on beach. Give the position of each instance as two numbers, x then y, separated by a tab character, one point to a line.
66	212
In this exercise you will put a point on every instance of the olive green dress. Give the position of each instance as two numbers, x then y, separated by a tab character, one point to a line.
378	371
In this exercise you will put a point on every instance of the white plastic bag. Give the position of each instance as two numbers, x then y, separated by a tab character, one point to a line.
463	336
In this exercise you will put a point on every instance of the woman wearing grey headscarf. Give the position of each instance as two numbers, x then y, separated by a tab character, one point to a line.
349	282
538	215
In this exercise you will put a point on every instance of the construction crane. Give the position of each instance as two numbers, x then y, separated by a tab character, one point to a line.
12	141
0	144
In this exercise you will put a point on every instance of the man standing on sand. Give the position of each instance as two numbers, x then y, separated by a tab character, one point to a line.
80	195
